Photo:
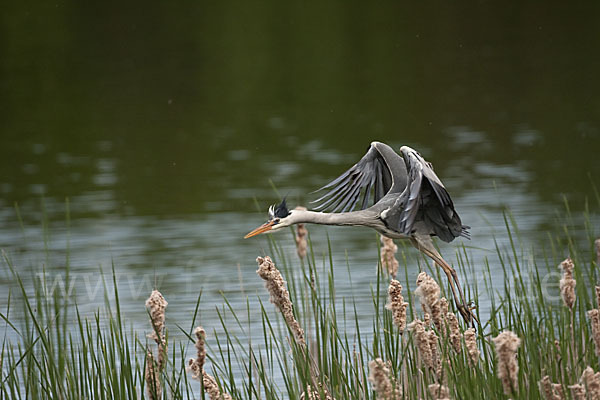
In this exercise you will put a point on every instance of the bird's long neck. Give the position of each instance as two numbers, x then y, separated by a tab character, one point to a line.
348	218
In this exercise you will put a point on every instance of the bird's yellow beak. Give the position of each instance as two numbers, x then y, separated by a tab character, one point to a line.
267	226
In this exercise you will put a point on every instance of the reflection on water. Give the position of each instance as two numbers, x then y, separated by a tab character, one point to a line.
163	131
184	254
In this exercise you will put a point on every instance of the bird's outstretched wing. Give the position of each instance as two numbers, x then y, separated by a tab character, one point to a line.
425	203
380	171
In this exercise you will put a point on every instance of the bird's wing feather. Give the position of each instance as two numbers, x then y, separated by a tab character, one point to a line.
381	170
411	199
426	201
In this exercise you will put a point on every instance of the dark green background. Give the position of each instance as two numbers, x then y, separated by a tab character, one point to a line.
162	122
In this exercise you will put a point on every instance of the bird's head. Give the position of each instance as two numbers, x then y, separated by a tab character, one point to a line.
279	217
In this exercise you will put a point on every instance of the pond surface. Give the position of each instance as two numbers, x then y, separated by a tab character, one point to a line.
167	126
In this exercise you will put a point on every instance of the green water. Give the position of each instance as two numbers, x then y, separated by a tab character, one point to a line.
162	123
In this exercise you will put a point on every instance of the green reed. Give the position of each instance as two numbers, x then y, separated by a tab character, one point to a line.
55	352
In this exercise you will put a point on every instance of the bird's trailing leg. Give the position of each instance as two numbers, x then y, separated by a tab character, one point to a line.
425	245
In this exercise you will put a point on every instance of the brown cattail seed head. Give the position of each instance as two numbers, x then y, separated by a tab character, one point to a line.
197	366
507	344
422	342
157	305
388	255
551	391
397	305
597	243
429	292
311	394
152	378
578	392
427	319
567	283
591	381
598	296
212	388
279	294
471	345
455	334
595	322
379	376
301	240
443	306
301	237
435	355
439	392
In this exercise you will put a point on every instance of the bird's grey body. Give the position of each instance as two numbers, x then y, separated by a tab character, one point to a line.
408	197
401	197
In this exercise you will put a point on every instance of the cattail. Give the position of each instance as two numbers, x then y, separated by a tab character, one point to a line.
438	391
301	242
153	387
435	354
597	243
598	296
455	334
444	306
196	366
595	322
388	255
551	391
426	318
311	394
397	305
156	305
384	386
567	283
212	388
422	341
591	381
578	392
279	294
301	237
507	344
471	345
429	293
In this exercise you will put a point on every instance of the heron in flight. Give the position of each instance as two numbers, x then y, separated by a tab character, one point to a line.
399	196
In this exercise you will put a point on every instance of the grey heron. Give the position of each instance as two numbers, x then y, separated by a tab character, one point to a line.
409	201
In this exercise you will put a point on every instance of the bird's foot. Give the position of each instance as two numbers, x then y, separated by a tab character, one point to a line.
466	311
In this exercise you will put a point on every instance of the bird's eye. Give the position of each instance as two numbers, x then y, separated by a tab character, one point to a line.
276	220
